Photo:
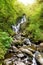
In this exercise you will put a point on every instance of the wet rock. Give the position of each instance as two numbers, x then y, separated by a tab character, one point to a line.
30	48
27	60
22	27
18	36
27	41
10	51
18	63
20	55
40	47
14	49
7	62
17	42
39	57
23	34
26	51
33	47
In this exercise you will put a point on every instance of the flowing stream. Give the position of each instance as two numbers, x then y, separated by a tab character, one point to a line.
17	27
21	51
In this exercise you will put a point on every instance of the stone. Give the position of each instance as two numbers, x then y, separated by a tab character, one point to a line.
27	41
18	63
40	47
18	36
10	50
14	49
26	51
20	55
7	62
41	44
17	42
39	57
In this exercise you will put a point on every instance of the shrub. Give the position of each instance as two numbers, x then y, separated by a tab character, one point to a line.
5	42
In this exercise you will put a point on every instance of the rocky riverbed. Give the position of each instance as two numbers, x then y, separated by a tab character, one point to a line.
23	52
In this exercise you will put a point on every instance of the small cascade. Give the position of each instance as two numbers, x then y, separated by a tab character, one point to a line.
16	28
34	60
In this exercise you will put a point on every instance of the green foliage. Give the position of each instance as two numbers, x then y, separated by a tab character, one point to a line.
35	28
5	42
10	10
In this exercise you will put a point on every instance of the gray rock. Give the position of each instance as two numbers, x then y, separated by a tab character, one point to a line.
26	51
14	49
10	50
7	62
39	57
18	63
20	55
18	36
27	41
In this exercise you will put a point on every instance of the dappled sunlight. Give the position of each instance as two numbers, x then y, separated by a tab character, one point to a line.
26	2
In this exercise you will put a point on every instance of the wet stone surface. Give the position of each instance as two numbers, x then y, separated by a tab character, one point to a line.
23	54
15	56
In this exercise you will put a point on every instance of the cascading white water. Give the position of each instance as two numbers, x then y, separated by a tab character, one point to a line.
17	27
34	60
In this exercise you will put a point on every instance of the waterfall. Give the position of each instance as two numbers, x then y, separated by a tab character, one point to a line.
16	28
